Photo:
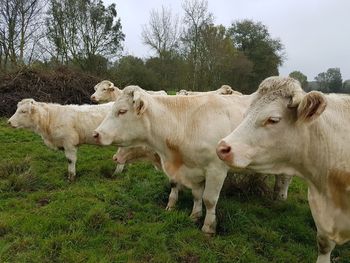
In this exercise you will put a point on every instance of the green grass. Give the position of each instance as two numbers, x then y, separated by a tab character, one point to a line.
101	218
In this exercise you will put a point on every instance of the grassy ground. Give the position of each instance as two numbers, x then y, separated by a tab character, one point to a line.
100	218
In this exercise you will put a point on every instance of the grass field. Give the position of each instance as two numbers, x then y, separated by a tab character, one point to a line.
101	218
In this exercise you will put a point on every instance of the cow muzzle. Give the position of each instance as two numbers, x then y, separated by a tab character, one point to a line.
223	150
235	155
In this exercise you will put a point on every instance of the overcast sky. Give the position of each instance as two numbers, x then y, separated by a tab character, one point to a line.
315	33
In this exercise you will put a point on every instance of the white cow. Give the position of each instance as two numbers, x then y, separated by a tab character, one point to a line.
282	182
306	134
176	127
133	154
223	90
62	127
105	91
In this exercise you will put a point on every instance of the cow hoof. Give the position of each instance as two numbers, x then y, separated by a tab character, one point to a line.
71	178
209	230
170	208
279	197
196	216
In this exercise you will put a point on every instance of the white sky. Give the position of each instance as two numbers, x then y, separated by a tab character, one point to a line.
315	33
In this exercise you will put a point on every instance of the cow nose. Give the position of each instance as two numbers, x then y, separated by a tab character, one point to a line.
96	135
9	122
93	98
223	150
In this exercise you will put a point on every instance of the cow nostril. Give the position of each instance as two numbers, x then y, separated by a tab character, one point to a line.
225	149
95	135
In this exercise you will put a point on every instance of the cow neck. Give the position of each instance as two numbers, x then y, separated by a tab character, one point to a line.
162	136
324	152
43	121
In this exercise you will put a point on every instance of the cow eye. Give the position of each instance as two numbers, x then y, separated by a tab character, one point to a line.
272	120
23	111
121	112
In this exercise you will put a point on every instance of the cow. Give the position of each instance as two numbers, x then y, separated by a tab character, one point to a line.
176	127
133	154
223	90
287	130
62	127
282	182
105	91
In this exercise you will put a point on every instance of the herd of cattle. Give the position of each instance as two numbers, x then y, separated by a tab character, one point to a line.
195	138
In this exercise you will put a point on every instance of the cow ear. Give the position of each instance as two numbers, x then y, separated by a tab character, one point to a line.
311	106
140	104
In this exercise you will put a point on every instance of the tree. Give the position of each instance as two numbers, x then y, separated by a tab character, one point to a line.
330	81
335	80
300	77
254	40
219	61
162	34
130	70
20	21
346	86
83	29
196	18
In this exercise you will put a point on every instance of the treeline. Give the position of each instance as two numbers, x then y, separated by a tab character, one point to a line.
190	52
330	81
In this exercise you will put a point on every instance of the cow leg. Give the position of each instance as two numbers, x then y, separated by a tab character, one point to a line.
325	247
213	185
197	192
119	168
282	182
71	155
173	196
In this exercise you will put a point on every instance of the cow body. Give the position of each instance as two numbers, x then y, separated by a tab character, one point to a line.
61	126
305	134
105	91
176	127
223	90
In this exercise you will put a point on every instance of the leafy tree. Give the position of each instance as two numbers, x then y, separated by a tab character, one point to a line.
169	71
335	80
330	81
254	40
300	77
130	70
219	60
81	30
346	86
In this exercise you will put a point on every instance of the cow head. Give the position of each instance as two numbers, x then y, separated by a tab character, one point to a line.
25	115
274	130
182	92
225	90
104	91
125	124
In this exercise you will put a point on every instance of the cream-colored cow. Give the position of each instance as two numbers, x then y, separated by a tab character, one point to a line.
105	91
176	127
63	127
223	90
306	134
